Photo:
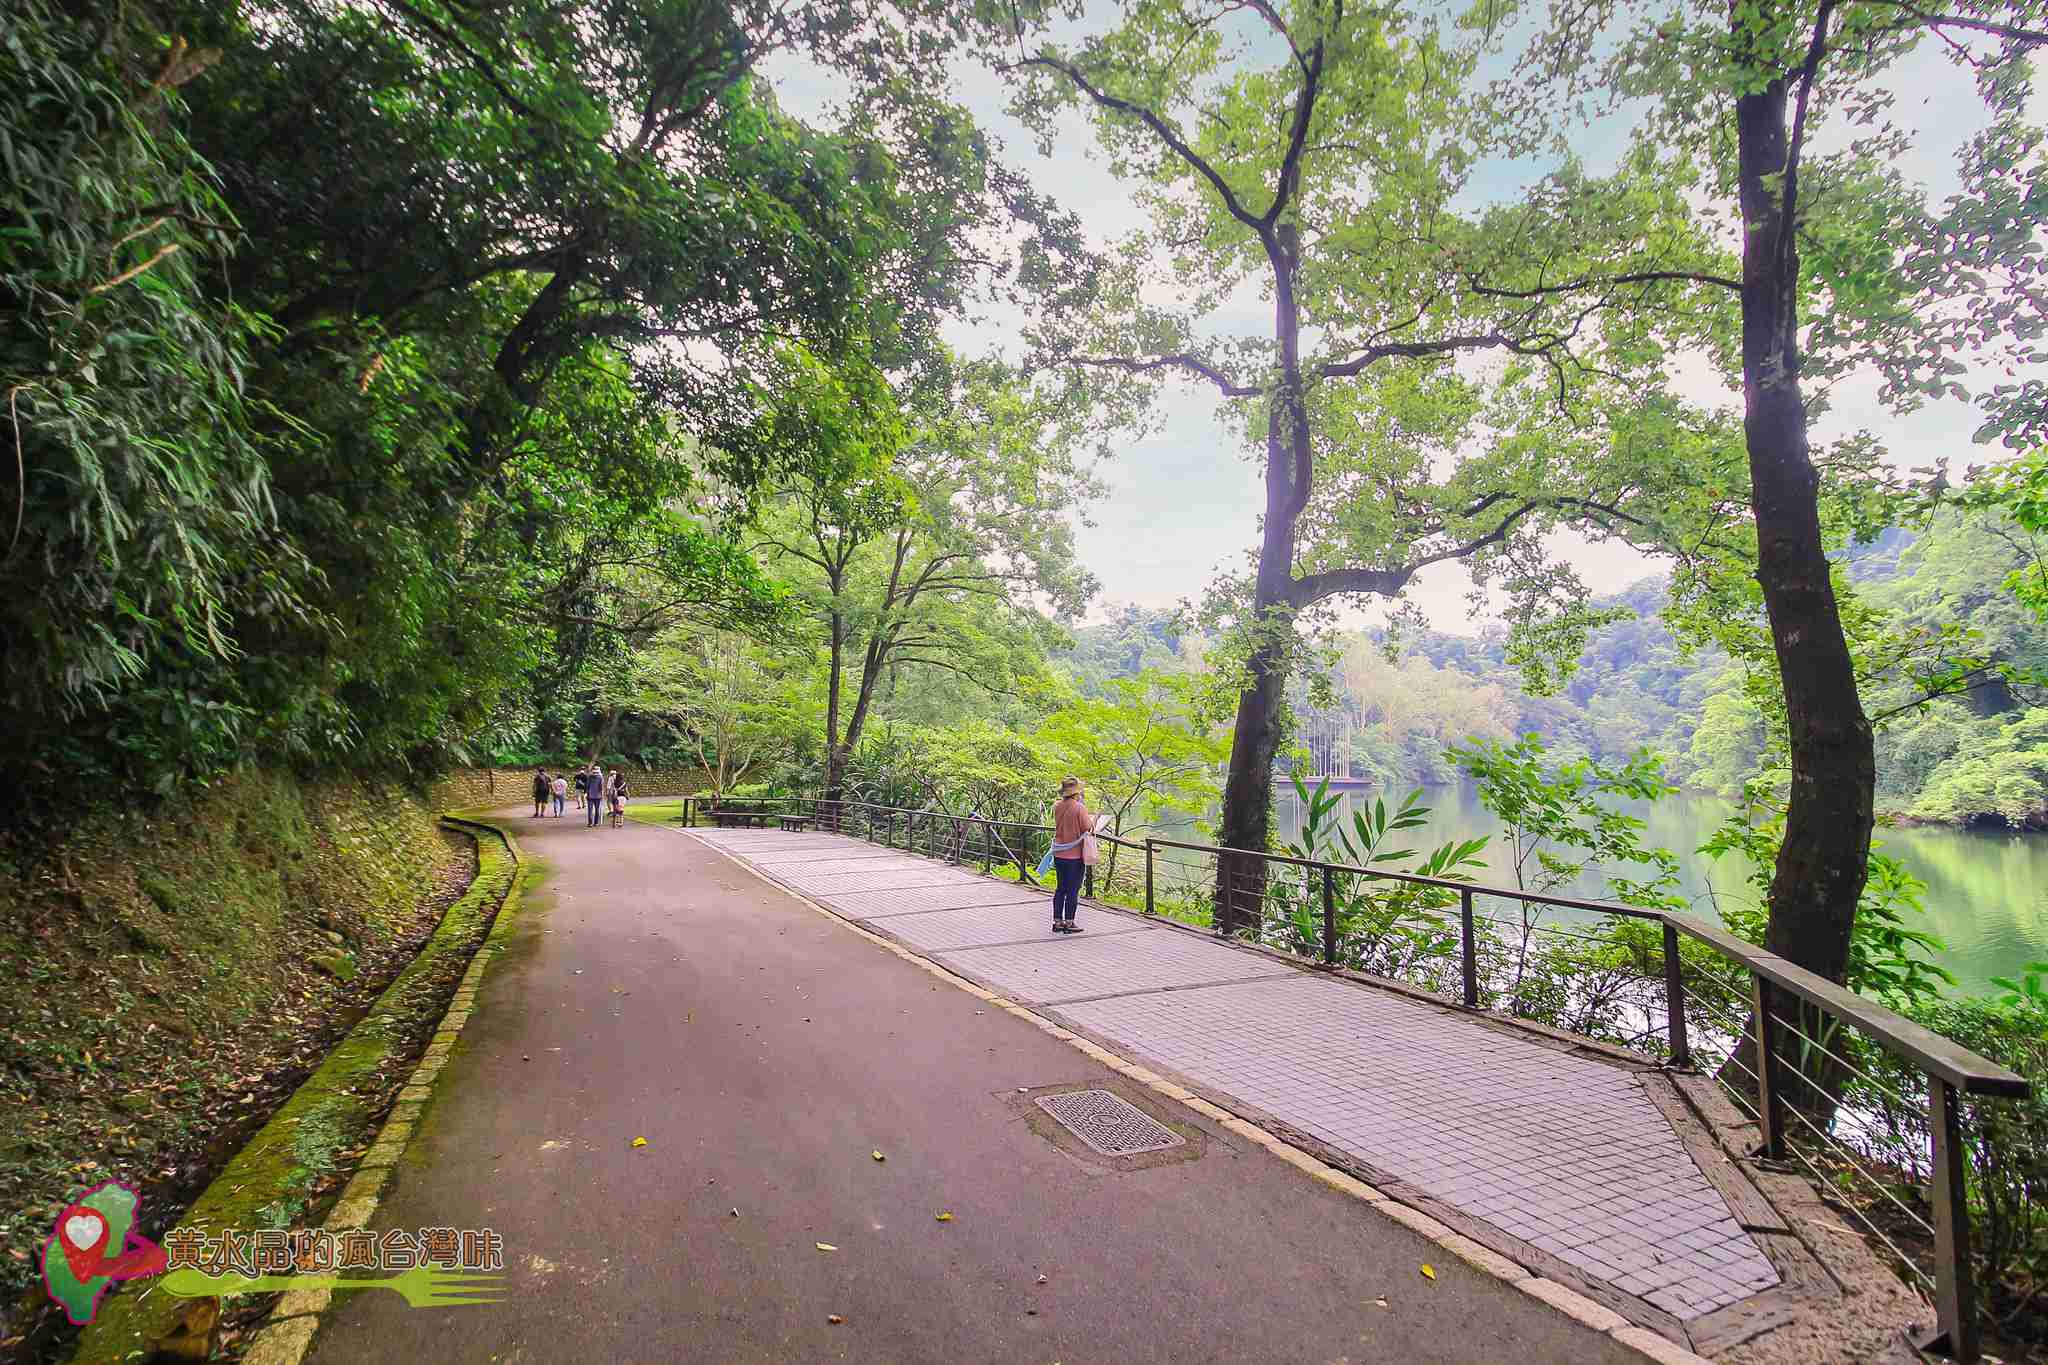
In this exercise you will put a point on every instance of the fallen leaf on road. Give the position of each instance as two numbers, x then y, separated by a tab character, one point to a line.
639	1142
1041	1279
1428	1272
735	1213
834	1319
1380	1303
827	1246
879	1157
945	1217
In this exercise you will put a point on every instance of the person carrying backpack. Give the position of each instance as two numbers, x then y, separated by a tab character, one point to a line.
540	791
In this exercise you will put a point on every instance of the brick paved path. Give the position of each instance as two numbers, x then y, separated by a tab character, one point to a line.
1565	1152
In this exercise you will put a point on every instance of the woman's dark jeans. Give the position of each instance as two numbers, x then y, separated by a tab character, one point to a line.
1066	895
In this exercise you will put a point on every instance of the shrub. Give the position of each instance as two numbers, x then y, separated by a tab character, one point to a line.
2007	1141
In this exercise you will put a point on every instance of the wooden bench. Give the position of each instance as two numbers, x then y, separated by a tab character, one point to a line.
795	824
726	817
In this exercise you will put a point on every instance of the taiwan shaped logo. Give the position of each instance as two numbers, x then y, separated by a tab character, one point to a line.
93	1245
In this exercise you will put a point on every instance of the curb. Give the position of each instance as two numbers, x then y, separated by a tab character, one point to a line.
1571	1303
287	1334
132	1326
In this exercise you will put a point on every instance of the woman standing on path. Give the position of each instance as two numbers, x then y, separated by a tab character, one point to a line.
1073	848
618	786
540	791
561	786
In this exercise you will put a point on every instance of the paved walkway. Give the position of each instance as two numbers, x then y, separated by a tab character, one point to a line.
655	989
1563	1152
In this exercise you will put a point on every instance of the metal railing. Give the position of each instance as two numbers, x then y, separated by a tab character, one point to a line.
1793	1050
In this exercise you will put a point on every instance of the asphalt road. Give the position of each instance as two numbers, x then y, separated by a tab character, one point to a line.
656	989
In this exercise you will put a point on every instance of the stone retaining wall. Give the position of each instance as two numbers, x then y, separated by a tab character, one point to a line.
468	788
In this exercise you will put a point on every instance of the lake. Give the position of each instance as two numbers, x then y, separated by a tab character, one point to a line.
1987	893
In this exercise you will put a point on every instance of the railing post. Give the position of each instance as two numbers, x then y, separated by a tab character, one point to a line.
1674	1000
1329	918
1468	943
1149	908
1955	1289
1770	1106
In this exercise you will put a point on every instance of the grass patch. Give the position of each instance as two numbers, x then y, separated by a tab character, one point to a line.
655	812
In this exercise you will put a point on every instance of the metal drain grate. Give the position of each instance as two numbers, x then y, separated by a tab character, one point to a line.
1109	1124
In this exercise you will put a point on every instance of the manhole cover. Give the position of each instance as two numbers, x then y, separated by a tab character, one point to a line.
1109	1124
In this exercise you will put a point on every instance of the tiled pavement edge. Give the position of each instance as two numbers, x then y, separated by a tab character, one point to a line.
1582	1167
287	1333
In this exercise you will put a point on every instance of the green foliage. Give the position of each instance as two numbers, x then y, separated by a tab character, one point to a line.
477	401
1889	959
2019	489
1388	927
2005	1142
2028	990
738	708
923	543
1949	662
1133	640
1143	750
140	523
1559	818
2003	774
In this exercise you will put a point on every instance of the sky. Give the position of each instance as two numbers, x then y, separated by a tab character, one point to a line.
1183	502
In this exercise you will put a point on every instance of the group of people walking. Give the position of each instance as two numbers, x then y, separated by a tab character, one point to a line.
595	791
1073	841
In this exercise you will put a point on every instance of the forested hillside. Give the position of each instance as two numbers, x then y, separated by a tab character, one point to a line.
1979	753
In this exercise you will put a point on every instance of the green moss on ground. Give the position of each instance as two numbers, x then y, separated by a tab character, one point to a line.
286	1175
157	998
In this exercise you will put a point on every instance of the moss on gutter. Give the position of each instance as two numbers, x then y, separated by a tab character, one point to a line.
270	1182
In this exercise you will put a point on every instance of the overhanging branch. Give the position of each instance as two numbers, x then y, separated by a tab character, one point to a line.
1159	126
1179	360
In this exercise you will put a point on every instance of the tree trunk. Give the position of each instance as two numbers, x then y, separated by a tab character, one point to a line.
1825	856
1248	790
604	735
1824	859
1248	795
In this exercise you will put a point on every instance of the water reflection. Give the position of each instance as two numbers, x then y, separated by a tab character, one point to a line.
1987	894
